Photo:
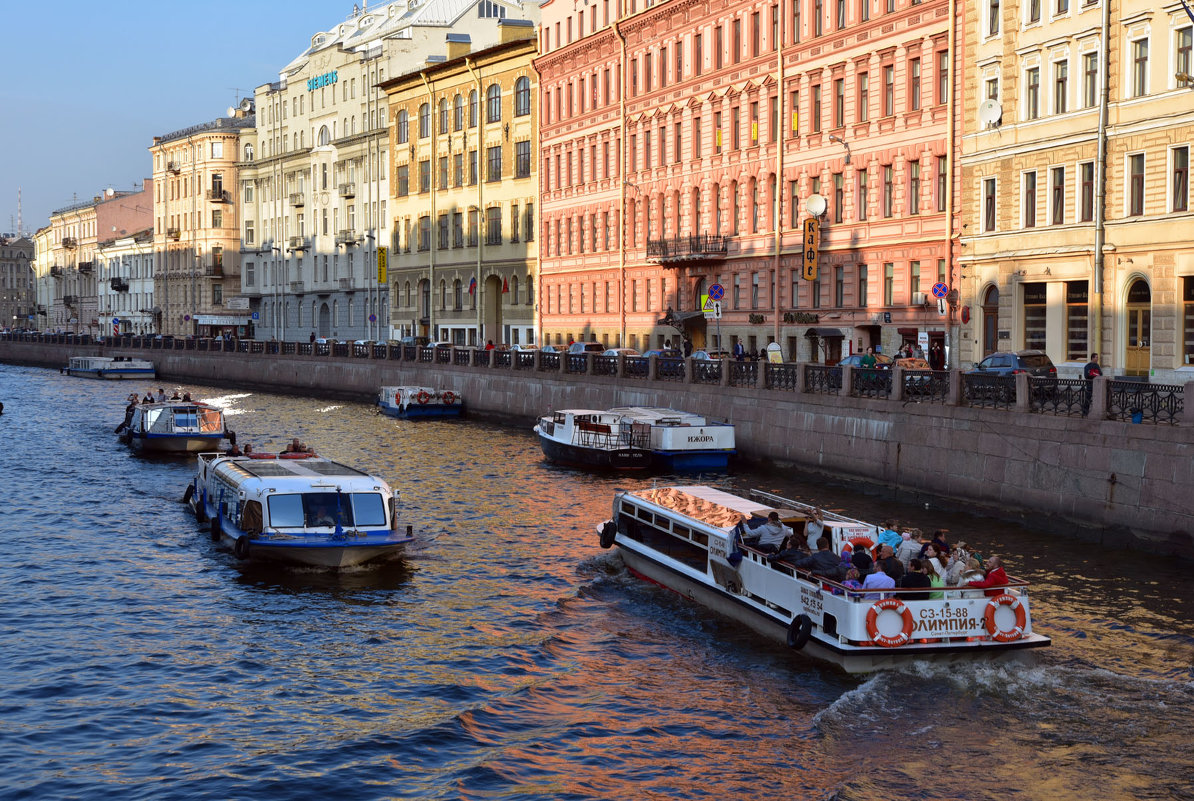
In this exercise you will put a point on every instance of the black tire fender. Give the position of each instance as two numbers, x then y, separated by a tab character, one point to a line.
188	493
608	532
216	531
242	548
799	631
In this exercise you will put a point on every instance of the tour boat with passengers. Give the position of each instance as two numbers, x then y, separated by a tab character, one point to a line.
174	427
413	403
594	439
689	539
296	508
682	441
112	368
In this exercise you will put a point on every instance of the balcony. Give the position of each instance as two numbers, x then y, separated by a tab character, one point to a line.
346	283
173	233
348	190
214	271
251	291
346	238
120	285
219	195
297	200
56	271
86	267
69	300
174	167
681	250
296	287
298	243
70	242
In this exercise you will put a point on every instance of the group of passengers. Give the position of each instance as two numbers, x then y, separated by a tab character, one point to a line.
898	561
158	397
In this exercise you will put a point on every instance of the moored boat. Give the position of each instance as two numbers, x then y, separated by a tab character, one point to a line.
112	368
296	508
594	439
681	440
174	427
688	539
410	402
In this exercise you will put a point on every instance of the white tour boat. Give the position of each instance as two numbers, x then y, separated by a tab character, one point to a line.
296	508
113	368
682	440
688	539
590	438
420	402
174	427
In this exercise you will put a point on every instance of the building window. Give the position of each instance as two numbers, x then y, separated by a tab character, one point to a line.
1086	173
443	115
941	178
472	109
1090	79
1034	11
839	287
942	77
888	284
1188	319
992	17
860	207
1136	185
1180	179
1140	68
914	188
1183	42
424	120
493	103
862	286
816	111
888	189
914	84
839	197
864	90
888	91
457	113
1061	77
522	97
493	163
425	175
1076	318
988	205
1032	97
493	225
403	127
1034	315
1057	200
522	159
818	17
1030	200
839	102
403	180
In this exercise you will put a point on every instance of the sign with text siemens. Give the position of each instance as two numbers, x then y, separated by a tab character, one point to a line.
320	81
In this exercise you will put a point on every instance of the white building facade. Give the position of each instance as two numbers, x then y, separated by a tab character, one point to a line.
125	293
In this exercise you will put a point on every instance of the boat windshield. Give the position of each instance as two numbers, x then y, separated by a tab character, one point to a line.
325	509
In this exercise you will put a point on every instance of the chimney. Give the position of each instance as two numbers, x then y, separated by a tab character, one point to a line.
459	44
513	30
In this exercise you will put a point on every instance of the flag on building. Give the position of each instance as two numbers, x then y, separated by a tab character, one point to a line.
472	285
505	287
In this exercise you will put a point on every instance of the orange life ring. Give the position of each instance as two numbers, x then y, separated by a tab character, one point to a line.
449	397
1005	635
872	629
867	542
293	455
262	456
422	397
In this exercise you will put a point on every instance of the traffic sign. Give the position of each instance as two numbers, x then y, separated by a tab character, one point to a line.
706	303
254	316
812	242
717	292
940	290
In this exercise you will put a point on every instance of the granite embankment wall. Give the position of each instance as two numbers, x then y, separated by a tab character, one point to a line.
1121	484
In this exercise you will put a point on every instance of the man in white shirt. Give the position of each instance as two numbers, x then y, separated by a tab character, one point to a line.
815	528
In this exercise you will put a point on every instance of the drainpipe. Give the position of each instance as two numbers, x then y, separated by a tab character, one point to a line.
480	296
1101	184
622	183
951	321
431	242
779	176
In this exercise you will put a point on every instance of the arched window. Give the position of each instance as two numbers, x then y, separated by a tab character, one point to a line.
522	97
493	103
457	295
457	113
407	288
443	295
443	115
472	109
248	151
403	127
530	291
424	120
325	137
514	291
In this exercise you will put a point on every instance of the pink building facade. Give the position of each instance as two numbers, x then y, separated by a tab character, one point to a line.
682	145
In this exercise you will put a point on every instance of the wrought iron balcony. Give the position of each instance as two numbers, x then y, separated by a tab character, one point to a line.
298	243
174	167
348	190
70	242
296	286
297	199
219	195
56	271
69	300
682	249
348	238
86	267
173	233
214	271
120	285
346	283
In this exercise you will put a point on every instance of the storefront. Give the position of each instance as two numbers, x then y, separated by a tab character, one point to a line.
215	325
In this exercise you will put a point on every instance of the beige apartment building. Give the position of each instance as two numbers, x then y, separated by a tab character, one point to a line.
464	139
1078	230
314	171
196	228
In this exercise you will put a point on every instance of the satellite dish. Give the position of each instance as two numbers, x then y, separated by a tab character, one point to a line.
231	111
246	105
816	205
990	113
110	192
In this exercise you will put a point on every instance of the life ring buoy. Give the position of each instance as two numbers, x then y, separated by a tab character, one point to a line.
422	397
449	397
872	618
608	532
799	631
1005	635
293	455
241	547
262	456
866	542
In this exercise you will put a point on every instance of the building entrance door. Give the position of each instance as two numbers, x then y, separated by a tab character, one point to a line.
1138	329
991	321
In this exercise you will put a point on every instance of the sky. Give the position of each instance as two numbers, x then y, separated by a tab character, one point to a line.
90	84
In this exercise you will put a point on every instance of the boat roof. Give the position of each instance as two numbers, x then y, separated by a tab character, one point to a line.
655	414
313	473
178	404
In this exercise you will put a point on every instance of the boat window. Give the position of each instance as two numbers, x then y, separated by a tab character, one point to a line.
209	421
184	419
370	509
250	519
681	531
286	511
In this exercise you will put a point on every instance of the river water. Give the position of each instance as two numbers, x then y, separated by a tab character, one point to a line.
508	656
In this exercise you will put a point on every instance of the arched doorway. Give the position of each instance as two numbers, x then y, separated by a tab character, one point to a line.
991	320
1138	329
325	320
491	308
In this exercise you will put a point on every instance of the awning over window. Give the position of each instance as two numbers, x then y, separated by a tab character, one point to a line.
681	317
907	332
825	333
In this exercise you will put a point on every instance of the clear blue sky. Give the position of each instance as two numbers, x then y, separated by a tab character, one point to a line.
88	85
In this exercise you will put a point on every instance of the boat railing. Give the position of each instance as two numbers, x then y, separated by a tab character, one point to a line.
603	437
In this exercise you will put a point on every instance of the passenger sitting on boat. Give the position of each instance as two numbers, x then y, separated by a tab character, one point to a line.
878	581
996	577
248	449
148	397
931	556
186	397
821	563
889	564
956	565
916	577
973	572
176	396
769	535
937	542
161	396
851	579
234	451
889	536
862	560
907	549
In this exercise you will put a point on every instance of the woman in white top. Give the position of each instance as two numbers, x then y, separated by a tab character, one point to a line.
931	557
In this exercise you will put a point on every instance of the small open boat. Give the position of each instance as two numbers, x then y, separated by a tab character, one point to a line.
296	508
174	427
412	403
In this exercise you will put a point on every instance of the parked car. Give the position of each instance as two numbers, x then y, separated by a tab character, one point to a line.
549	349
620	352
710	355
586	347
417	342
664	353
882	362
1033	362
527	348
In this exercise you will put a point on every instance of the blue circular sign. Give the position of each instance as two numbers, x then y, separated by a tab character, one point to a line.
373	318
940	290
115	321
717	292
254	316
